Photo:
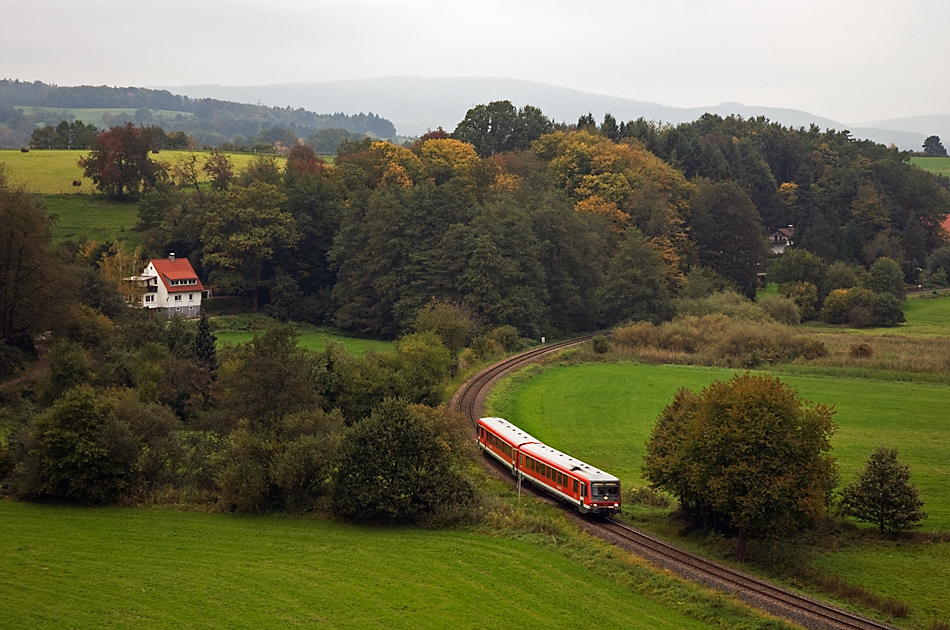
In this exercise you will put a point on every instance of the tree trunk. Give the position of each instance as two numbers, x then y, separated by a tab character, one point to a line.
741	546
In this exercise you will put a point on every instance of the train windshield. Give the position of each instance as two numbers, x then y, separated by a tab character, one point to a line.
605	491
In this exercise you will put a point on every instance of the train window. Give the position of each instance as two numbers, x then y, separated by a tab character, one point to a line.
560	481
583	489
575	485
609	491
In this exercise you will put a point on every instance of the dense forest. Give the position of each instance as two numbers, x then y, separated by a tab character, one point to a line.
209	122
560	231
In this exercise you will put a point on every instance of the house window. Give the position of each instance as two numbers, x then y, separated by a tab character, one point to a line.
178	298
149	298
191	296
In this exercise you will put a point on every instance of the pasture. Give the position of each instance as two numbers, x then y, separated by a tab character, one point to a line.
140	568
53	172
939	165
94	218
604	414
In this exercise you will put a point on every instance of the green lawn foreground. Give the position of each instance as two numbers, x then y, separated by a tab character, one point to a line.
146	568
604	413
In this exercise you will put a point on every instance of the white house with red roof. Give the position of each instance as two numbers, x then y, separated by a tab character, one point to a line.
171	287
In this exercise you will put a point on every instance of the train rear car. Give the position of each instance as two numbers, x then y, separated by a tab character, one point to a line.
502	440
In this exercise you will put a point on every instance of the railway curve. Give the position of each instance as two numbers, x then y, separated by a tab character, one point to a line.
780	602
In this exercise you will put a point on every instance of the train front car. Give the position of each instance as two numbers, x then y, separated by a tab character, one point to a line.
604	494
570	479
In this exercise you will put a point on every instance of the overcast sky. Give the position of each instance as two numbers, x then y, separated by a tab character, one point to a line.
850	60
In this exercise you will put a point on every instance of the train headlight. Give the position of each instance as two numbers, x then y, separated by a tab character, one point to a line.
616	505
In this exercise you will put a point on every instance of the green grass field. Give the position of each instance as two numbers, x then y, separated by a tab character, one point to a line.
939	165
126	568
315	339
53	172
604	413
93	217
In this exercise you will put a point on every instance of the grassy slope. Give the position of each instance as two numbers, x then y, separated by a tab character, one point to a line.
604	413
80	211
940	165
121	568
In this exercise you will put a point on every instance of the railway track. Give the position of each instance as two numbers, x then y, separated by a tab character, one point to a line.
810	613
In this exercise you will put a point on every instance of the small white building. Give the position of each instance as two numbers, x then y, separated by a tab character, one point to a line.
780	239
171	287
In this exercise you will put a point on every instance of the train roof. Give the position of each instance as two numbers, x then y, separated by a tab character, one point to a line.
554	457
508	431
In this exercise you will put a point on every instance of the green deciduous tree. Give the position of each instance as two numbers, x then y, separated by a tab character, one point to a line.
634	287
77	451
885	276
244	229
31	277
883	494
748	454
729	233
398	465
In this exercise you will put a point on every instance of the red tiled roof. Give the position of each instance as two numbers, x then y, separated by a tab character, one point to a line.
178	269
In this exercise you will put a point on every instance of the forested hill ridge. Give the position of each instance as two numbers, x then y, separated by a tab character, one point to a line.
210	121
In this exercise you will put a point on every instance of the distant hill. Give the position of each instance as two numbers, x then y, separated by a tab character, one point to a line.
416	104
209	120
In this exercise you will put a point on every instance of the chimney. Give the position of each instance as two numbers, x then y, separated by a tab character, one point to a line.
171	256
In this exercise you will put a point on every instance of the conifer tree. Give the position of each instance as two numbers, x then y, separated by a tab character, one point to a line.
883	494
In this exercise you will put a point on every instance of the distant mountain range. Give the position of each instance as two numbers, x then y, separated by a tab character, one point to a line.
416	104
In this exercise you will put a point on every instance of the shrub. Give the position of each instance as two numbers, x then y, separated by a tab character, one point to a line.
399	465
600	344
782	309
77	451
861	351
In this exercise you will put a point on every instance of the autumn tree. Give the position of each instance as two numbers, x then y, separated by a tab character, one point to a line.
883	495
119	163
747	454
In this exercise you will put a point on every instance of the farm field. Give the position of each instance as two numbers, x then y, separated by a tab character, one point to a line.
139	568
53	172
939	165
92	217
604	413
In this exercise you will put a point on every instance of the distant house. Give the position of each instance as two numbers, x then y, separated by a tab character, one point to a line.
780	238
171	287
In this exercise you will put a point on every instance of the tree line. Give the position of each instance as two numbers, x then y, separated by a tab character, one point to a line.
210	122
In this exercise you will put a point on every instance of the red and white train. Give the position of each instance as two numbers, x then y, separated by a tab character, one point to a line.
586	488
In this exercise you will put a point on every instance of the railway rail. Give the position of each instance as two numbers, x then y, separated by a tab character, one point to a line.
810	613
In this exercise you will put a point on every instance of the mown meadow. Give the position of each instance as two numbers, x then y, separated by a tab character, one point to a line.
148	568
604	412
